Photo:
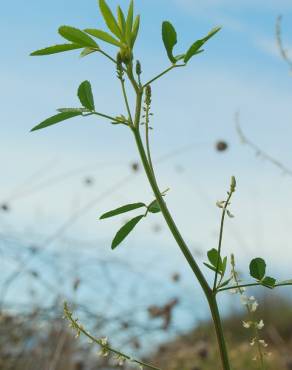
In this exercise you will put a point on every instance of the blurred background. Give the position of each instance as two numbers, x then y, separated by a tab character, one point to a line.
228	113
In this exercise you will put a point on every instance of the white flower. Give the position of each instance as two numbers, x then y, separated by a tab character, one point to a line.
104	341
246	324
220	203
121	360
254	306
260	324
263	343
252	343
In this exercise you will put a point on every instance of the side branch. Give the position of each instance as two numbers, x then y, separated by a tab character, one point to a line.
102	342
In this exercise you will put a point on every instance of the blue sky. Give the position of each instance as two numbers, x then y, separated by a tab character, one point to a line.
240	70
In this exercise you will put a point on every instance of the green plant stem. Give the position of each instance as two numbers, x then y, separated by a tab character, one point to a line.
239	286
221	238
184	248
147	140
210	295
163	73
251	285
107	56
138	110
104	116
130	74
126	100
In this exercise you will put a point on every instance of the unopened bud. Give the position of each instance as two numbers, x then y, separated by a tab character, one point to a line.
120	72
126	55
233	184
232	260
138	68
148	94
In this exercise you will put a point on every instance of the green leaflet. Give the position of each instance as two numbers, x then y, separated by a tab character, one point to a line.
135	31
104	36
77	36
85	95
123	209
125	231
154	207
129	22
87	51
122	21
169	38
195	48
54	49
257	268
269	282
213	257
81	110
109	19
179	57
56	119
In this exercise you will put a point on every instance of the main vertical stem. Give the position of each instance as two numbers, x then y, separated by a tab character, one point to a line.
210	295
